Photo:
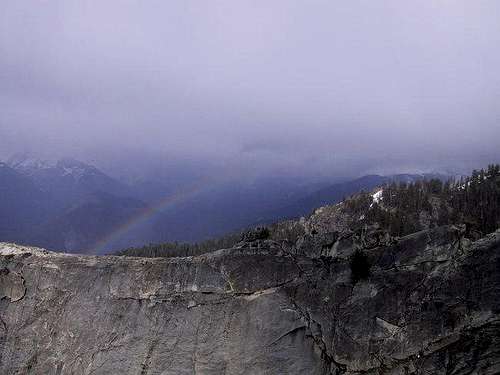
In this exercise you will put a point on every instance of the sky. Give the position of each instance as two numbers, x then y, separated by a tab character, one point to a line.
291	86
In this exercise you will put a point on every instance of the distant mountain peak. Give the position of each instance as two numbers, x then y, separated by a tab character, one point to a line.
66	167
23	162
75	168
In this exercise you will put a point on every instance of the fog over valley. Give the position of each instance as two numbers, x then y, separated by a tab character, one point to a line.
252	88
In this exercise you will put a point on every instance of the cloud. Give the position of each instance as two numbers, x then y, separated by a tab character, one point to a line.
252	84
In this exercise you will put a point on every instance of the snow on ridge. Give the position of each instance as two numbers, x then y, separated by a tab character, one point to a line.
64	167
377	197
30	163
75	172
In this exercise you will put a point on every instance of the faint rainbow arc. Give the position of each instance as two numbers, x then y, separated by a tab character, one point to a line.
145	214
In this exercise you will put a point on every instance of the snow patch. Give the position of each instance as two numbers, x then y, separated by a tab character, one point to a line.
319	210
76	172
377	197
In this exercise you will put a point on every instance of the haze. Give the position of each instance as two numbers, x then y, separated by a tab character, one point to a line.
323	87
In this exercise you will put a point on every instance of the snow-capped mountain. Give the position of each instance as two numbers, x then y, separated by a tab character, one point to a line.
63	205
27	165
67	179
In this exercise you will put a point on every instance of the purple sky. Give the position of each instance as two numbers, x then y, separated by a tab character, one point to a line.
297	85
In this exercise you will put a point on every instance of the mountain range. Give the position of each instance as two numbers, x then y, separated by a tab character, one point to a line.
71	206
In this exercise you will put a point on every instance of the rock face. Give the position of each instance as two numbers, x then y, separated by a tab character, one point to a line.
430	305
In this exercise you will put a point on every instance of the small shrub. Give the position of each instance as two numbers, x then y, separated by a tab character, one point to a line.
360	266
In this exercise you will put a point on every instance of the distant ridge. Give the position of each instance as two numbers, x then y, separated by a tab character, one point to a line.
336	192
69	205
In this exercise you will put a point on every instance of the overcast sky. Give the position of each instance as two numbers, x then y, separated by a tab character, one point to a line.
336	85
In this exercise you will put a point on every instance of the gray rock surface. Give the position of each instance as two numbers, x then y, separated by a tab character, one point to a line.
431	305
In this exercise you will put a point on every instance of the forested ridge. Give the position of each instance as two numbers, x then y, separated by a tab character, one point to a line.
406	208
399	209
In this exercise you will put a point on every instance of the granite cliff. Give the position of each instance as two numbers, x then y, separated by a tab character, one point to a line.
428	304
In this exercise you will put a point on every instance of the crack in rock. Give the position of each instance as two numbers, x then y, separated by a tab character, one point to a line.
11	285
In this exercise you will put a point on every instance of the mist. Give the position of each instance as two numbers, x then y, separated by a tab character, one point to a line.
249	87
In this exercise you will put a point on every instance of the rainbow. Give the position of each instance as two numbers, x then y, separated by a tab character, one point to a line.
143	215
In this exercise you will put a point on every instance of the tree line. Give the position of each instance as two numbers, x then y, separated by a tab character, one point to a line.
405	208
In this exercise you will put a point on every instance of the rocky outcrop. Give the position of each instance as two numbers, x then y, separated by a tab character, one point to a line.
430	305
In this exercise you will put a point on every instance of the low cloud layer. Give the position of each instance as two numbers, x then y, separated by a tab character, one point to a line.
341	86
